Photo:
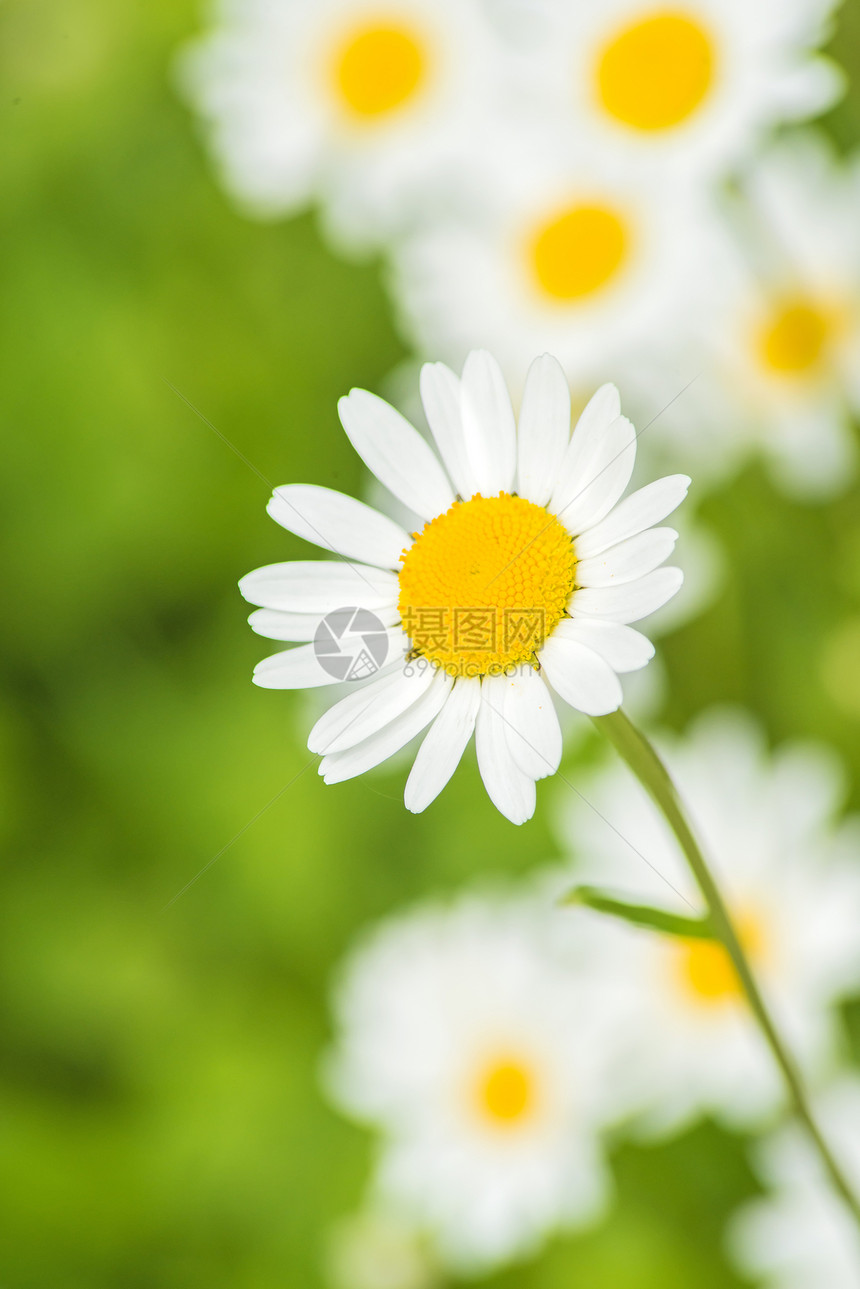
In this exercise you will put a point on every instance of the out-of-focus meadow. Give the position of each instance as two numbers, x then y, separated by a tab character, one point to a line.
179	883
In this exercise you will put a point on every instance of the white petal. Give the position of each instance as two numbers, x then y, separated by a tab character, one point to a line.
509	788
339	523
580	677
301	668
440	394
488	423
602	409
634	514
624	648
531	723
275	624
298	668
604	480
630	602
443	746
543	429
315	586
380	746
396	453
365	712
634	558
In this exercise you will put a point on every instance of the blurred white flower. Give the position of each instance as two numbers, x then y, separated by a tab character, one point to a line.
481	1058
527	570
693	85
363	106
777	352
791	876
801	1236
376	1249
555	252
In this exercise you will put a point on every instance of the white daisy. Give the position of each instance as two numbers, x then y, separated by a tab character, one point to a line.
801	1236
694	84
792	880
777	351
527	571
479	1057
362	104
553	252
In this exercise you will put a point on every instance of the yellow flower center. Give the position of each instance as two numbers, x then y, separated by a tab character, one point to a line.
795	337
485	583
654	74
377	69
578	251
506	1092
705	970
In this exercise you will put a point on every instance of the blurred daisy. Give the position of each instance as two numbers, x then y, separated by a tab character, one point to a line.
553	252
695	83
477	1055
376	1249
779	348
801	1236
359	104
792	350
526	571
792	880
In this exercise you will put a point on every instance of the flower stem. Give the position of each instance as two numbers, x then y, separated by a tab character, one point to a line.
643	760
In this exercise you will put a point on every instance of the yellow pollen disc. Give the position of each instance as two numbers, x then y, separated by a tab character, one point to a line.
578	252
795	337
485	583
655	74
705	969
506	1092
378	69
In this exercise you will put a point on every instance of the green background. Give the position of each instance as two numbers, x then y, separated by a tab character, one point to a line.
162	1123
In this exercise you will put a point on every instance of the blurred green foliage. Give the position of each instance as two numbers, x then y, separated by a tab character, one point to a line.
162	1123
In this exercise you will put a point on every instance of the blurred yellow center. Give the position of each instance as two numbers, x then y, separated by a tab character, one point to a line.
485	583
705	969
578	252
506	1092
794	339
654	74
378	69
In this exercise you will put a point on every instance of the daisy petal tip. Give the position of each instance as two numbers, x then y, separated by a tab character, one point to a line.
262	680
519	817
245	588
608	399
348	401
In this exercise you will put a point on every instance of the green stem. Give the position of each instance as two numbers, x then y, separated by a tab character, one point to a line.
643	760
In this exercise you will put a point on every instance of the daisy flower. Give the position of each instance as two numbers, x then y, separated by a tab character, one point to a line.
777	350
792	881
524	578
462	1038
694	85
361	105
554	251
800	1236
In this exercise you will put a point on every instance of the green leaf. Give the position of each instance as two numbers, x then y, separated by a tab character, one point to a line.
593	897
